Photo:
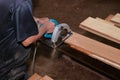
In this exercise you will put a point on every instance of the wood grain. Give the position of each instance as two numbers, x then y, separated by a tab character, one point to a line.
95	49
105	30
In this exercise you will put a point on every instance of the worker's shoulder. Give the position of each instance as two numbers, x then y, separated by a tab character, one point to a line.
22	2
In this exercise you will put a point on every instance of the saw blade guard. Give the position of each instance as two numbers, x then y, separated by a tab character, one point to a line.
57	31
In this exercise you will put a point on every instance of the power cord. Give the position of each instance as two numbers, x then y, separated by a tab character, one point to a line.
33	60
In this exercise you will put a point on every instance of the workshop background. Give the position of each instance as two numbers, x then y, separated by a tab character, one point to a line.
60	66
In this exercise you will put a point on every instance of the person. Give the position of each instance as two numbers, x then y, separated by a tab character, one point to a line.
18	30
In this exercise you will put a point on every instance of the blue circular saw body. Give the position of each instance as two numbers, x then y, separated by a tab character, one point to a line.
49	35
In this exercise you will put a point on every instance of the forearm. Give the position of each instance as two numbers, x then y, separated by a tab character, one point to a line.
47	27
34	38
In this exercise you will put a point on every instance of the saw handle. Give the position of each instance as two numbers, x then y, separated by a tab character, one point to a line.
49	35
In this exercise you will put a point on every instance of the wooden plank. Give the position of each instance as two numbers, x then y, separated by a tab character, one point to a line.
95	49
102	29
104	21
35	76
108	18
116	18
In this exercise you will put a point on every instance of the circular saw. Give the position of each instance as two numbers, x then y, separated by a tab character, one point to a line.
61	32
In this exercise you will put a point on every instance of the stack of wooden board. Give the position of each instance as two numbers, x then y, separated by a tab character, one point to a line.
95	49
102	28
35	76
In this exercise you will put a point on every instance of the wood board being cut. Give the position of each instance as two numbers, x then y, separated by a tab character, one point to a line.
102	29
95	49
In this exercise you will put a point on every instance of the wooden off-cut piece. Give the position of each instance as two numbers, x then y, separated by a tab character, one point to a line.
102	29
116	18
35	76
46	77
95	49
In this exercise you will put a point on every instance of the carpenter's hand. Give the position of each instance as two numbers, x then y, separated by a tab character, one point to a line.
49	26
46	24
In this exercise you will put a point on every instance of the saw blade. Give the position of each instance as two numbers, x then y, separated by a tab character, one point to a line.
63	36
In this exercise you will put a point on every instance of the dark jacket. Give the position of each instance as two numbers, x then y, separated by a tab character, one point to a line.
16	24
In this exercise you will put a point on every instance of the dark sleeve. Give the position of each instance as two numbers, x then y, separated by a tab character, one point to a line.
25	24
